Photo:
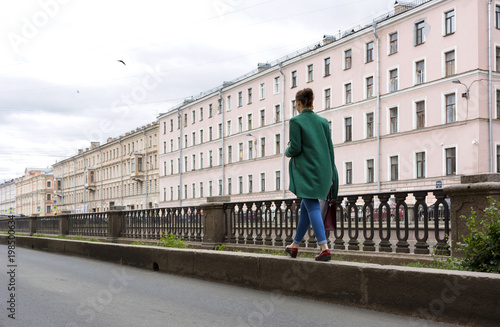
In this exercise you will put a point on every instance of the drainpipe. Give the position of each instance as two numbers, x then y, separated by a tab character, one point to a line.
283	129
100	177
146	164
223	152
378	106
179	120
121	171
490	101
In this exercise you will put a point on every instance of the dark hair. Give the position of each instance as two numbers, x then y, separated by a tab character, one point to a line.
305	97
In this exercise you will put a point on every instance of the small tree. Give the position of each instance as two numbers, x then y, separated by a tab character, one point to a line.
481	248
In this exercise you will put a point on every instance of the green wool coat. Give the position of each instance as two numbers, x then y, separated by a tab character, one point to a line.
312	165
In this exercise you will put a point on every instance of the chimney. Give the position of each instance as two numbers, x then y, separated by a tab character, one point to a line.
94	145
400	7
327	39
109	139
262	66
80	151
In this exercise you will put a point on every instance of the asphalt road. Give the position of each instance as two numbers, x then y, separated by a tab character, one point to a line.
61	291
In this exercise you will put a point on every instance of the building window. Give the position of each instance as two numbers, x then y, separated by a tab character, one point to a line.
220	130
240	184
165	126
262	117
171	167
229	154
185	191
262	182
194	138
221	159
201	190
497	16
201	113
210	133
394	168
449	22
419	32
240	99
348	59
249	96
276	88
201	136
185	120
249	121
229	186
451	113
498	158
194	117
250	149
228	128
278	180
369	52
498	59
393	80
498	104
185	164
240	151
326	62
348	129
370	171
369	125
348	172
420	111
419	72
210	111
450	63
201	160
250	183
393	43
194	190
220	187
278	143
420	158
228	103
277	113
328	93
210	159
49	197
294	109
451	161
293	79
185	140
310	71
393	112
369	87
262	91
348	93
210	188
240	124
262	146
194	162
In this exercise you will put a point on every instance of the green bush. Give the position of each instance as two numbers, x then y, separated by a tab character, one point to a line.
481	248
172	241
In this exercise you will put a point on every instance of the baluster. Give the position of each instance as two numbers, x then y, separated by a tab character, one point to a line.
251	217
353	237
421	247
368	244
192	226
199	220
242	219
442	246
280	221
385	244
339	244
260	219
402	246
270	220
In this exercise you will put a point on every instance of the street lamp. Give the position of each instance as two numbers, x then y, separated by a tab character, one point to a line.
466	94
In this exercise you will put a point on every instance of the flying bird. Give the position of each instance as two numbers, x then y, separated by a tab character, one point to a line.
123	62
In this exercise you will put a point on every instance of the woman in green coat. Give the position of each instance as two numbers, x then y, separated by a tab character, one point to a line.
312	170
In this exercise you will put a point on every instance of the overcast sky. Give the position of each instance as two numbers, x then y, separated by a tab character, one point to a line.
61	85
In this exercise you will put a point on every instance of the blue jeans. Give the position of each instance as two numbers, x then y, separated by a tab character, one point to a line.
310	213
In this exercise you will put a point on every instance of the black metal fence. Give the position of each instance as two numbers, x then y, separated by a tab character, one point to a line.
88	224
47	225
386	222
185	222
21	224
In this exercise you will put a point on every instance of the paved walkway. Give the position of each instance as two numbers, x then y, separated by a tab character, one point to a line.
62	291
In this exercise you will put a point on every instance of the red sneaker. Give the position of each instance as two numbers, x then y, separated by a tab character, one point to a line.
291	251
324	256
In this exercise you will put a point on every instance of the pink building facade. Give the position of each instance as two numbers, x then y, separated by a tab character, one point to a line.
407	98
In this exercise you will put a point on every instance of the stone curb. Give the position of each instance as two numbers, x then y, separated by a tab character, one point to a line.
464	298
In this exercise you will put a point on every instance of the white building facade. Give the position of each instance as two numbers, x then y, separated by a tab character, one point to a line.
8	198
407	99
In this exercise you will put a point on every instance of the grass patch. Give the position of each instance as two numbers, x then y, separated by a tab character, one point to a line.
172	241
